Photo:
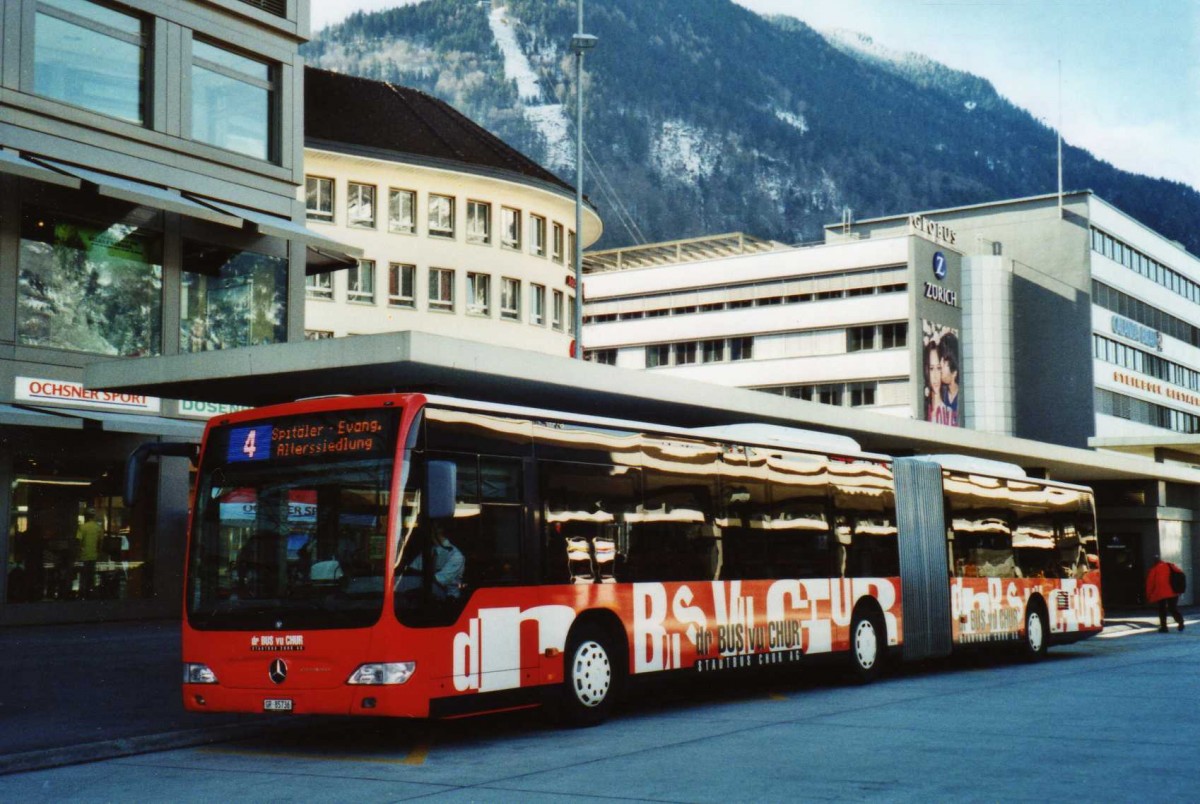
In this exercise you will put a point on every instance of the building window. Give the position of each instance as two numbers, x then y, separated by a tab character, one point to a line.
510	232
713	351
894	336
441	289
537	235
571	250
318	286
402	285
360	282
441	216
402	211
89	286
479	222
556	311
479	294
231	298
90	56
360	206
658	354
233	100
741	348
862	394
538	305
318	198
860	339
605	357
685	353
557	253
510	299
317	334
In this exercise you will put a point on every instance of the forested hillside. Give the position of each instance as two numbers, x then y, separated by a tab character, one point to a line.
703	117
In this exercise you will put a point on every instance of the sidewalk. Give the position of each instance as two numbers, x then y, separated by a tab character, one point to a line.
76	693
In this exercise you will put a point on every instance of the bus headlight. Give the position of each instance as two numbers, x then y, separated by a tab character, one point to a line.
198	674
383	673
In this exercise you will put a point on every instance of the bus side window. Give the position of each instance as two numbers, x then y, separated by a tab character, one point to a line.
584	510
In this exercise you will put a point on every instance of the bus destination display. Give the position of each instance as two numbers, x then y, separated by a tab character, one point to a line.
353	434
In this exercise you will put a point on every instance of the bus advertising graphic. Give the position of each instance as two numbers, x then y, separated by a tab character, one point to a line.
417	556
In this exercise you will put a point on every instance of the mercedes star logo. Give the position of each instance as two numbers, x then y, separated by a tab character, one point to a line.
278	671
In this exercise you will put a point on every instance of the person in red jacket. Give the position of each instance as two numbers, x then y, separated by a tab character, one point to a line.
1158	590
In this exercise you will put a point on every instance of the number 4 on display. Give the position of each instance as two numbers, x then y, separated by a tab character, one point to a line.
249	444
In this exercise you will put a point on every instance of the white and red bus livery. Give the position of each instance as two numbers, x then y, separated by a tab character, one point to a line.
417	556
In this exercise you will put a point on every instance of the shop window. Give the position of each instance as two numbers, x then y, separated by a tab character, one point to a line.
71	538
90	285
233	99
90	56
231	298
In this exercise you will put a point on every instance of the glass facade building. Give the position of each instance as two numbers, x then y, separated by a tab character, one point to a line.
148	207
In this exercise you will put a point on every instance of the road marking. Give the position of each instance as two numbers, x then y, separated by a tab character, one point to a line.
775	696
417	755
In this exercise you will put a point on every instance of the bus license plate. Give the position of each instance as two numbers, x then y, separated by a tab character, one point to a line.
277	705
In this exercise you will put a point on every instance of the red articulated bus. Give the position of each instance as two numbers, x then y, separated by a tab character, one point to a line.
418	556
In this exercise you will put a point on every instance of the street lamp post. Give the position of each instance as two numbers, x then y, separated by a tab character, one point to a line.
580	43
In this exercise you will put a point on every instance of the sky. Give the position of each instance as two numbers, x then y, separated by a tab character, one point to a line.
1130	69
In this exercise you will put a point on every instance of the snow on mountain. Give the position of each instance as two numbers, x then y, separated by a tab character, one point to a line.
796	121
682	149
550	119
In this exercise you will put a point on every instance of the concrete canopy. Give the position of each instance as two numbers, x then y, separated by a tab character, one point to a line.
416	361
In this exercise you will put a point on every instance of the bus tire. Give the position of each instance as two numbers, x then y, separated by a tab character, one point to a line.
1037	632
591	672
868	644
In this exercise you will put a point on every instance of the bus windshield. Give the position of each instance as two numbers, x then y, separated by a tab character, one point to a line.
290	522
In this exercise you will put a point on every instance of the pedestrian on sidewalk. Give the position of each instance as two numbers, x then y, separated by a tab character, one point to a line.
1159	590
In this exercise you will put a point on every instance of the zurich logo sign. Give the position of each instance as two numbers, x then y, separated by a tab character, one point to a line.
939	265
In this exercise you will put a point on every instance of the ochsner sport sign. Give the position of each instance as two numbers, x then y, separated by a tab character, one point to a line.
61	392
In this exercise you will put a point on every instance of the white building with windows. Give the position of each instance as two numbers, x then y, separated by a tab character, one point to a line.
828	323
461	235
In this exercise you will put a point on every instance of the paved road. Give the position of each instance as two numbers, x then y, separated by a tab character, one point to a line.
1110	719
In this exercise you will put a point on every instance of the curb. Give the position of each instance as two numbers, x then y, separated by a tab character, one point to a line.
81	753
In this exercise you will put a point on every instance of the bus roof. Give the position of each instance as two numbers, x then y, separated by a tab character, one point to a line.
750	433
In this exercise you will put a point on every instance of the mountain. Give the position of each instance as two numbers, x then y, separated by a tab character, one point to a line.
703	117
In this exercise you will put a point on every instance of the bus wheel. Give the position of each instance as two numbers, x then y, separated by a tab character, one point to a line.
866	646
589	678
1035	642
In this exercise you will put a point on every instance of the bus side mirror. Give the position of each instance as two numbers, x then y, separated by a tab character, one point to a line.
441	483
137	461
